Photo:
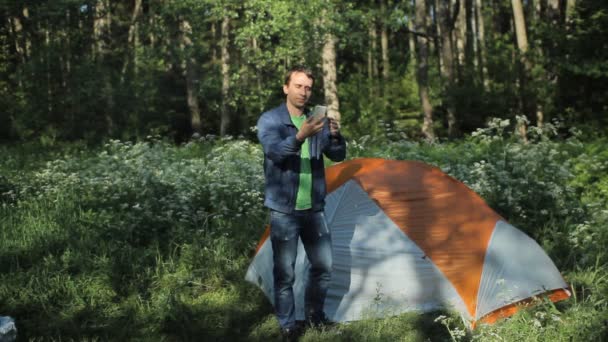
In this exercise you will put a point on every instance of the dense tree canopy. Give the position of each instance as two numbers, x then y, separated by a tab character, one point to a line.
92	69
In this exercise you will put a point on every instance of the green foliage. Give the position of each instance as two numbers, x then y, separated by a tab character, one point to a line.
143	234
549	322
579	57
150	241
361	110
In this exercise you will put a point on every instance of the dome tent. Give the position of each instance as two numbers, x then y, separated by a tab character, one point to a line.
407	237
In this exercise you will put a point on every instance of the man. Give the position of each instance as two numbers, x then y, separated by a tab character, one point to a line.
294	143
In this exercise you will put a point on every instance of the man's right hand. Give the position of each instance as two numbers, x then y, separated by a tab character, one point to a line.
310	127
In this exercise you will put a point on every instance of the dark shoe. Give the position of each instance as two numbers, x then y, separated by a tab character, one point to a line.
291	334
319	321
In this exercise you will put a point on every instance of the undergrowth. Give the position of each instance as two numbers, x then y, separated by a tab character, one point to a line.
151	241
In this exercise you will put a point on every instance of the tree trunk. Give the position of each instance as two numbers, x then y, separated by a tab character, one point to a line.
133	39
329	77
439	32
26	38
188	65
520	27
422	70
460	32
411	40
101	27
553	12
446	27
101	31
372	63
570	8
471	43
225	119
213	38
47	63
152	14
435	31
481	43
257	53
68	51
134	26
384	41
22	42
66	71
528	104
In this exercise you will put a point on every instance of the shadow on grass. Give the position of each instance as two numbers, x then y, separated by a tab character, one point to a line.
406	327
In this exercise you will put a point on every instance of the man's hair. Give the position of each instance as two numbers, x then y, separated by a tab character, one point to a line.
298	68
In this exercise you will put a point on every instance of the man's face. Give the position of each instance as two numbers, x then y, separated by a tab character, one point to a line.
298	90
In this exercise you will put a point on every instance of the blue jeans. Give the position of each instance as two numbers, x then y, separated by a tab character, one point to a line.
285	229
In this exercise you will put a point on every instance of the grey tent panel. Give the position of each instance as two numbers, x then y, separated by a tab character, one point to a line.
515	268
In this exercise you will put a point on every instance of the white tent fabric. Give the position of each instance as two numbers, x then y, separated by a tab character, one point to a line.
515	268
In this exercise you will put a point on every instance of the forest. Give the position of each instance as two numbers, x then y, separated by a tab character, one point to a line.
92	70
131	177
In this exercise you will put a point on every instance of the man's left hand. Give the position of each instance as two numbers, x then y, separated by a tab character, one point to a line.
334	127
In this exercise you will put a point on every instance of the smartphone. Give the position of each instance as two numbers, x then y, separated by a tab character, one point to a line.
319	112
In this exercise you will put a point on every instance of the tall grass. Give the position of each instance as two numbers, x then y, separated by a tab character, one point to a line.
150	241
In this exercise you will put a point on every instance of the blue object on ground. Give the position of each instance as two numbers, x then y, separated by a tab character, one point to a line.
8	329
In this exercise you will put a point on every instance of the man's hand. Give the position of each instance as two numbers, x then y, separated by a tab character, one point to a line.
310	127
334	127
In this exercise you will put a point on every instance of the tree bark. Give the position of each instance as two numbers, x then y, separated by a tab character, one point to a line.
422	69
188	65
439	30
553	11
21	37
460	32
570	8
330	77
47	63
133	39
101	27
384	41
446	26
152	17
68	51
213	49
372	63
411	40
481	43
66	63
101	31
225	55
257	53
528	104
435	30
471	42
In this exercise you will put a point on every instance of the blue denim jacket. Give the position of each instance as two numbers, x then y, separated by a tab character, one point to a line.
277	134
